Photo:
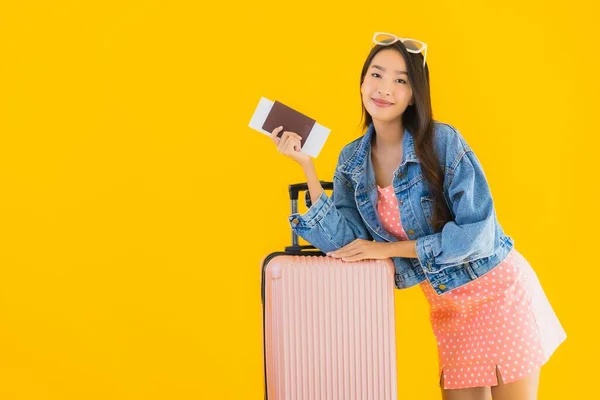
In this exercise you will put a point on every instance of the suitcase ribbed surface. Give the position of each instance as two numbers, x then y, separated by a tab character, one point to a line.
329	329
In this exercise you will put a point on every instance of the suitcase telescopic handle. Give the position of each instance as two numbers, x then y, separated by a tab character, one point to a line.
294	189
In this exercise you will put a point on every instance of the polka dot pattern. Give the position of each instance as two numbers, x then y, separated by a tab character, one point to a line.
502	319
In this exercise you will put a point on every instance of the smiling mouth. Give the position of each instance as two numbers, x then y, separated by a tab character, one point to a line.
382	104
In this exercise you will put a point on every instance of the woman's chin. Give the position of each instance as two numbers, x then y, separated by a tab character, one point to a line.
383	115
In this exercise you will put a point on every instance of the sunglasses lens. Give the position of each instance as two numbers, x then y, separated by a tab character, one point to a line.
385	38
412	45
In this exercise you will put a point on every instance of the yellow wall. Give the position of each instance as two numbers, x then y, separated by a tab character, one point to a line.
137	204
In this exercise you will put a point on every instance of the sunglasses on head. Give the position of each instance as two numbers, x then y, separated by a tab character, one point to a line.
412	45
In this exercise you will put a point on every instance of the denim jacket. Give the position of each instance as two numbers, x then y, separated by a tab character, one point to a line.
468	246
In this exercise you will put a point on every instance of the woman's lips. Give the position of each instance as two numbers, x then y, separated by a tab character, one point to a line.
381	104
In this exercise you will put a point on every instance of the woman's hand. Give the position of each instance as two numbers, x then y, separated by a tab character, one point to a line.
361	249
289	145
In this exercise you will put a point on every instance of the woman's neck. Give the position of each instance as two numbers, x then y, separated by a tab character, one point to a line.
388	134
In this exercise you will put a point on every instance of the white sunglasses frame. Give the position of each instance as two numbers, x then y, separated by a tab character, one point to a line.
398	38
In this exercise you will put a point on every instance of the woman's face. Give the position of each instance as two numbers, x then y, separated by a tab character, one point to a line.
386	79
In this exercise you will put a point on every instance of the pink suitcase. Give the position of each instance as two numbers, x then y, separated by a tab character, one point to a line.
328	325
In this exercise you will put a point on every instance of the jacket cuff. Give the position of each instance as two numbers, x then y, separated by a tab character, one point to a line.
313	215
426	252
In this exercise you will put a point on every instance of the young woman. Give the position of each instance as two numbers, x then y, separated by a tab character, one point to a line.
411	189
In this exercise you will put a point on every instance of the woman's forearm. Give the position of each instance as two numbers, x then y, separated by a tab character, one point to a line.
403	248
314	185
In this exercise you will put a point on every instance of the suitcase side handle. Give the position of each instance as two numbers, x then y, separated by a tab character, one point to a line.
303	186
294	189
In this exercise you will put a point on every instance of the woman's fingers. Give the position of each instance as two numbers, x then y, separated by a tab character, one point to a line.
285	140
283	143
357	257
349	249
274	134
295	147
292	146
278	139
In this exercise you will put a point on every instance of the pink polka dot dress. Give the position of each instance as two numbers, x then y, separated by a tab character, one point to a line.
501	319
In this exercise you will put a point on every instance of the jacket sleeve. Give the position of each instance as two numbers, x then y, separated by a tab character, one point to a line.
332	221
470	236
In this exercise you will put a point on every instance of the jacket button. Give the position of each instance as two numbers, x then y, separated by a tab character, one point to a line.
295	221
401	202
442	287
411	232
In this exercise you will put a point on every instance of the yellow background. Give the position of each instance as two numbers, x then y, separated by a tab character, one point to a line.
136	202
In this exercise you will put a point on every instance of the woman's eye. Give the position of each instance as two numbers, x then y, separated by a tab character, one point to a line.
375	73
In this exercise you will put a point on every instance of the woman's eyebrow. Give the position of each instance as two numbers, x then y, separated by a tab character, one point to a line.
383	69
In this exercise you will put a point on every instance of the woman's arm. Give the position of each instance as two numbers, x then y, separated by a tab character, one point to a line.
470	236
403	248
330	222
314	185
333	221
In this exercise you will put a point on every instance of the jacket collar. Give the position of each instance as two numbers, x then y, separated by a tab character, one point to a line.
357	162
